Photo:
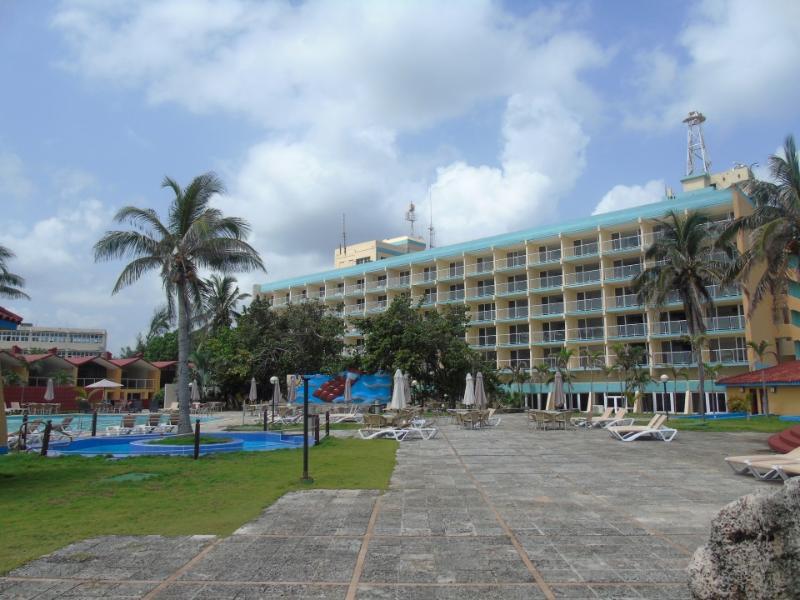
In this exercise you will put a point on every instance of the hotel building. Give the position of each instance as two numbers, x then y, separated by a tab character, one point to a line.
532	292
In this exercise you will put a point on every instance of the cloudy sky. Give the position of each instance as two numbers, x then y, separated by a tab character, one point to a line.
513	114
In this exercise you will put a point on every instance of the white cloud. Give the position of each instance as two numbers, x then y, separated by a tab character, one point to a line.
739	54
14	182
628	196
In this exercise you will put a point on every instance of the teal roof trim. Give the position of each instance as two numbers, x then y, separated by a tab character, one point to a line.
699	199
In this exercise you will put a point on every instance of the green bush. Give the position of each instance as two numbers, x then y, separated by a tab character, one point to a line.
739	404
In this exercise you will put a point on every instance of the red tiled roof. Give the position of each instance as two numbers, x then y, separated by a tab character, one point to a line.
7	315
163	364
124	362
80	360
784	373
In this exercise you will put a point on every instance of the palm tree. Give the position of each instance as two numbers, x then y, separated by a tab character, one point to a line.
713	371
10	284
773	229
677	373
539	374
760	350
595	358
160	323
219	300
195	236
608	371
686	260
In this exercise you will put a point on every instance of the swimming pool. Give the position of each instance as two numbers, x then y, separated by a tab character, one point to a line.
83	421
138	445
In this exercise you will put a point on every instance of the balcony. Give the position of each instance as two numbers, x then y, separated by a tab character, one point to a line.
732	323
476	268
729	356
581	251
582	278
547	310
84	381
587	363
377	306
453	296
514	263
670	328
620	245
667	359
549	361
429	299
376	286
547	283
513	288
450	273
622	273
424	277
587	305
483	316
720	292
354	309
624	302
629	330
486	291
587	333
354	289
513	339
399	282
334	293
545	258
488	341
138	384
513	314
276	302
555	336
513	364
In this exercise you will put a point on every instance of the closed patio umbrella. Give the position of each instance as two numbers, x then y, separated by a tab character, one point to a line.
480	392
558	392
277	398
550	404
688	408
49	393
469	391
348	389
291	389
195	396
398	395
253	395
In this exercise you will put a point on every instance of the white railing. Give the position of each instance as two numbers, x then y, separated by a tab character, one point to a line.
547	282
355	288
514	339
424	277
84	381
481	291
626	243
587	333
513	287
488	341
670	328
514	262
398	282
354	309
508	314
622	272
484	315
725	323
624	301
453	295
587	362
720	291
728	355
543	310
377	306
456	272
378	285
627	330
334	293
279	301
141	384
428	299
587	249
682	357
547	256
514	363
585	305
476	268
582	277
549	337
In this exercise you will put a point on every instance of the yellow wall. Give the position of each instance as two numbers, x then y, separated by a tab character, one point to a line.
785	400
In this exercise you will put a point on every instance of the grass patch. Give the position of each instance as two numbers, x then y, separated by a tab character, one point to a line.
294	427
188	440
48	503
756	424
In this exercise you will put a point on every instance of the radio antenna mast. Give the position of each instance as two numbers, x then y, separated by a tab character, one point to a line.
696	148
431	230
411	216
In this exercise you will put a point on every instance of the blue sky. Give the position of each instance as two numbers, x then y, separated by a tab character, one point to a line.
514	114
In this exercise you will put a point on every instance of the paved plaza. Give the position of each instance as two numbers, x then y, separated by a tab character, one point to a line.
506	512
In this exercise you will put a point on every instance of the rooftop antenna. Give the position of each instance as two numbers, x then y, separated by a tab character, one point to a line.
343	247
411	216
431	230
696	148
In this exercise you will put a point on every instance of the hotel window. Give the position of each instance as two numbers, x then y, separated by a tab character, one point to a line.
518	334
486	312
361	261
428	274
405	277
456	269
321	291
429	296
381	281
487	336
486	287
515	258
483	264
518	283
517	309
520	359
457	291
340	288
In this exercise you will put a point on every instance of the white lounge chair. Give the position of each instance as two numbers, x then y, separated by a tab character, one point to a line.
588	419
617	416
654	429
385	432
741	464
125	427
788	471
153	422
771	469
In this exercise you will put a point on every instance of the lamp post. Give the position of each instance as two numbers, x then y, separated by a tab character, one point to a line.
274	381
664	379
414	384
305	478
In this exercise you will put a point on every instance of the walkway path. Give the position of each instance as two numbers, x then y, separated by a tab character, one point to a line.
502	513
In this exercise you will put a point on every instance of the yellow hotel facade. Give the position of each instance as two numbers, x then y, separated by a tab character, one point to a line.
532	292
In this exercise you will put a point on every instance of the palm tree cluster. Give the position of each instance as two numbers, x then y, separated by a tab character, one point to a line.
195	237
10	284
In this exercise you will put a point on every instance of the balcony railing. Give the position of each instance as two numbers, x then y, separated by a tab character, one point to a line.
377	306
454	295
376	285
357	288
551	308
483	316
585	305
276	302
476	268
399	282
728	355
513	287
682	357
581	250
334	293
480	292
84	381
428	299
587	333
628	243
549	337
582	278
514	363
513	339
731	323
489	341
545	257
723	291
514	262
622	272
629	330
354	309
424	277
512	314
547	282
624	301
671	328
137	384
450	273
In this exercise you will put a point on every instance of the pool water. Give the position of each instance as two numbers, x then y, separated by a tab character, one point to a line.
83	421
137	445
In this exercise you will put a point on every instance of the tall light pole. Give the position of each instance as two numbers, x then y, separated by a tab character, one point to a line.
664	379
305	478
274	381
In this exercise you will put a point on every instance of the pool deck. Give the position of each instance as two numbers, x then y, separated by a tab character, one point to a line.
499	513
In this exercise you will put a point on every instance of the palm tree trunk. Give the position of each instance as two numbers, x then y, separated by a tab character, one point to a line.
184	423
764	401
3	422
701	383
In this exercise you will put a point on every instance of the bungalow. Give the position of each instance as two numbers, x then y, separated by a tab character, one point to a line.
782	384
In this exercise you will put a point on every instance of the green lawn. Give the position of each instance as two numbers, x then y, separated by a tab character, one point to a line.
48	503
756	424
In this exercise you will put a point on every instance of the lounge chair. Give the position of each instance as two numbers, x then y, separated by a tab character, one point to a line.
29	431
615	419
489	420
354	416
589	418
125	427
654	429
788	471
768	470
170	426
153	422
14	409
398	434
63	428
741	464
173	407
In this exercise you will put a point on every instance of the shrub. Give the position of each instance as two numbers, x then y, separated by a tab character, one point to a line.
739	404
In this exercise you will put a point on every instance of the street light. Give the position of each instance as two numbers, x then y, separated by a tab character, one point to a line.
414	384
274	381
664	379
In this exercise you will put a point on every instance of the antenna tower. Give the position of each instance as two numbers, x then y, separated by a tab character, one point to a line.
696	148
431	230
411	216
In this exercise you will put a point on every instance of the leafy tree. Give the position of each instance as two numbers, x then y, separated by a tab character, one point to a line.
773	230
226	364
161	347
631	364
761	350
687	258
220	298
63	377
194	237
594	359
540	374
712	372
